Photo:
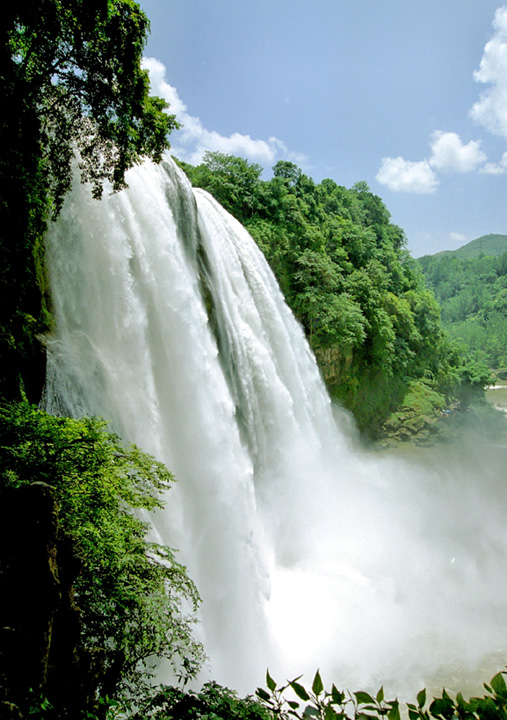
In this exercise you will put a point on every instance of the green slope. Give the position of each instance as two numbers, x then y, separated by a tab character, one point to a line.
471	286
491	245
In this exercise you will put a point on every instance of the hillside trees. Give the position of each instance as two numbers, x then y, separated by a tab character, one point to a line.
473	297
345	272
109	600
72	84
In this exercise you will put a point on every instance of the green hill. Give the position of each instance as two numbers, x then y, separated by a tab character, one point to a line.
490	245
471	286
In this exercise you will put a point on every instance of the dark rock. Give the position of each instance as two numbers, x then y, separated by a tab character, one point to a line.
40	625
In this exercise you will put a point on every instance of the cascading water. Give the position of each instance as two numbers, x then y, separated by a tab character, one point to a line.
307	551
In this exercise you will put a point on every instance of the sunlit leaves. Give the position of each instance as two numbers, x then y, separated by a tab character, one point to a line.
362	705
346	275
77	69
131	592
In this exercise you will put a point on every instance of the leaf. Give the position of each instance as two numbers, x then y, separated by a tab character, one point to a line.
380	695
260	692
310	711
421	698
442	706
337	695
330	713
270	682
394	711
317	686
364	697
498	684
299	690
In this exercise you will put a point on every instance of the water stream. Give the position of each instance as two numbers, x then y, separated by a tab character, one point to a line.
307	550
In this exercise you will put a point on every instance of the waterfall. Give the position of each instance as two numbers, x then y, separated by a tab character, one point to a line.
307	551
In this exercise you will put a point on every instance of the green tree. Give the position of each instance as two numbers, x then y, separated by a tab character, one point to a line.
345	272
130	591
288	171
233	181
73	71
472	293
72	87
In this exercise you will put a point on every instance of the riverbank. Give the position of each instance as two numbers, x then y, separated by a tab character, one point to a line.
496	395
424	423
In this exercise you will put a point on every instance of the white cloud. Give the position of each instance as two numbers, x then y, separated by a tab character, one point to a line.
406	176
491	108
457	239
496	168
193	140
449	154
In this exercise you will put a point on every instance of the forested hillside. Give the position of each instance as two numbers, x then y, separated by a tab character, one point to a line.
473	296
346	274
492	244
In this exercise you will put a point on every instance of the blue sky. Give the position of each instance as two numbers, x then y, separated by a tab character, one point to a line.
409	96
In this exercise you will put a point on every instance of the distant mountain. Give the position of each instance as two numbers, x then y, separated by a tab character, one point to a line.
491	245
471	286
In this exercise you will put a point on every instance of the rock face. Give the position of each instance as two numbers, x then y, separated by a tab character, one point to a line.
39	622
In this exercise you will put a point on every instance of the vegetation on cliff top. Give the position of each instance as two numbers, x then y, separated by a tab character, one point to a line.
346	273
71	82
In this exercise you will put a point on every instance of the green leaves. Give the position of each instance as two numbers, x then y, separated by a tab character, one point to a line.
270	682
347	276
299	690
317	686
212	702
131	592
361	705
498	685
77	67
421	698
363	698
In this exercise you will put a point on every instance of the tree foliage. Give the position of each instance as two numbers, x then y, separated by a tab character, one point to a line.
130	591
345	272
72	86
73	69
473	297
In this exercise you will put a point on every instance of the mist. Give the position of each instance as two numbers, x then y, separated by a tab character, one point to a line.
309	551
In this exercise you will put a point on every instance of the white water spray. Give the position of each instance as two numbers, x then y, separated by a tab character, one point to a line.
307	552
